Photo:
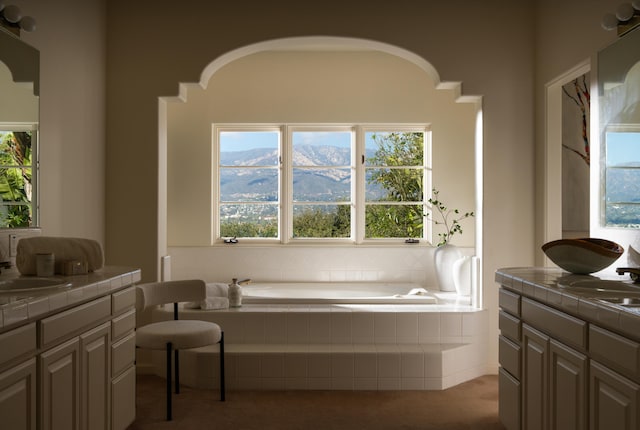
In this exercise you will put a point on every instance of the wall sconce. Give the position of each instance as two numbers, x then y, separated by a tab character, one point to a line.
626	18
11	18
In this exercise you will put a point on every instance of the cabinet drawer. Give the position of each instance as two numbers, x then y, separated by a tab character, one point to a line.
74	320
123	300
617	352
123	324
509	301
509	326
509	356
17	342
123	354
556	324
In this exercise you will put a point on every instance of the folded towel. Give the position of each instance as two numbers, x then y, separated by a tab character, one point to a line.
217	289
217	297
63	249
209	303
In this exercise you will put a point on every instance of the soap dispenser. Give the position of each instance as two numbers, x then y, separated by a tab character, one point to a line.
235	294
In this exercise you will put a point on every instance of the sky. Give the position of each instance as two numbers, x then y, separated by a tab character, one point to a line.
241	141
623	148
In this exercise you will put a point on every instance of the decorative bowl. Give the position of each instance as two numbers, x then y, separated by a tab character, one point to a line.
583	256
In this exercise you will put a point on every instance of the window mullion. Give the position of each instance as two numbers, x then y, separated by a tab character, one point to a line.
286	184
358	219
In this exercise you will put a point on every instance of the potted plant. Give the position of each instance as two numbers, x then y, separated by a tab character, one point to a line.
447	255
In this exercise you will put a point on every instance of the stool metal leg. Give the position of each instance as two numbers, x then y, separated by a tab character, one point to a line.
177	372
169	381
222	366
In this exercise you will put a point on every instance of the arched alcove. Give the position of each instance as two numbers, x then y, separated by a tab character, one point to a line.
410	92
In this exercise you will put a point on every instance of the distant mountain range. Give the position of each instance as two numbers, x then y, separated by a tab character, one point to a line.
309	184
623	185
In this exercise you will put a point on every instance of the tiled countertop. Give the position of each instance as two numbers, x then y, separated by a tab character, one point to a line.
578	295
20	308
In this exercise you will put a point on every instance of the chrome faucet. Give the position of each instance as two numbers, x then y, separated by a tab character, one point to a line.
634	272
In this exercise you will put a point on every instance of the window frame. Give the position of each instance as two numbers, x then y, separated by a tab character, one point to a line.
358	180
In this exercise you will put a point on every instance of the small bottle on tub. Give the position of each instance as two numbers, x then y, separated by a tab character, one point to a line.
235	294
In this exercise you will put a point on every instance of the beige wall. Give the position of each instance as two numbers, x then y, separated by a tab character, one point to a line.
148	57
295	87
70	36
18	103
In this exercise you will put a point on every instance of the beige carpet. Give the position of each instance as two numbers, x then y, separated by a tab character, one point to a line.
472	405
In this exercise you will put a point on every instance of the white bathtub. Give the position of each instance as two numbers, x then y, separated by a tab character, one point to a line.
336	292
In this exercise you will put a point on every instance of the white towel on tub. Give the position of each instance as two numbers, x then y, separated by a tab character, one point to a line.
217	297
62	248
209	303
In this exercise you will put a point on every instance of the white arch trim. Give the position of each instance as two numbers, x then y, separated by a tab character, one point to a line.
326	43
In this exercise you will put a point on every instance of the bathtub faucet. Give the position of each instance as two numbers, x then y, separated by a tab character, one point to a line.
244	281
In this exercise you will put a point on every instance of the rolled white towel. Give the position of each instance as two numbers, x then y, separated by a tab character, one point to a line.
215	290
63	249
209	303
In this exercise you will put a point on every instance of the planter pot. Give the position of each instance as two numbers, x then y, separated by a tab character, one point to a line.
444	258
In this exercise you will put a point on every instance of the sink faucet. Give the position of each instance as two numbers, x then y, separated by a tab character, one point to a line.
634	272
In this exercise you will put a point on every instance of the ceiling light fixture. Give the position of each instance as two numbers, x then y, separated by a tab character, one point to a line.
626	18
11	19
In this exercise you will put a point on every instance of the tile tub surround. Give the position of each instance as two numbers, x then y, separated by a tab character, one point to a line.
340	347
21	308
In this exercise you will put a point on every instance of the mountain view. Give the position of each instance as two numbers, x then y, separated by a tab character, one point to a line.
309	184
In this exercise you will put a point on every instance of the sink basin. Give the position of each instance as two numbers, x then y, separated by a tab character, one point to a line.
583	256
32	284
623	301
600	286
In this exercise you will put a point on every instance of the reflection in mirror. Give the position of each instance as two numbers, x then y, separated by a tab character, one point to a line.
19	105
619	89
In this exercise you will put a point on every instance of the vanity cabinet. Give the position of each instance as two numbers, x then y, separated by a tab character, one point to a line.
72	370
560	371
18	378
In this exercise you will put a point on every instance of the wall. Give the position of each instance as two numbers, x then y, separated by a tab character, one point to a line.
313	87
568	33
488	46
70	36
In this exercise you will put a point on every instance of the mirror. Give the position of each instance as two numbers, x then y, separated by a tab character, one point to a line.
19	116
619	90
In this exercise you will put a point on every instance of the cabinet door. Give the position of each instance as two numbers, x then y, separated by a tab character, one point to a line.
509	400
59	387
567	388
18	397
95	377
124	399
614	400
535	373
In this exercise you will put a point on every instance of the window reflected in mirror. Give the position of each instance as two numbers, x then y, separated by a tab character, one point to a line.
16	177
622	177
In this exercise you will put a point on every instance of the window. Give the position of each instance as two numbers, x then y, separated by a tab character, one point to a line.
622	178
330	182
249	183
394	188
17	179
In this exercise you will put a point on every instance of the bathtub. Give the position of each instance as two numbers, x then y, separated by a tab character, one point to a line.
336	293
337	335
